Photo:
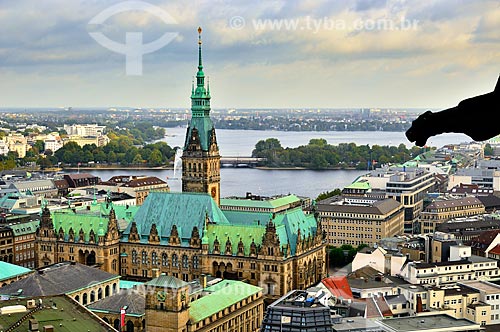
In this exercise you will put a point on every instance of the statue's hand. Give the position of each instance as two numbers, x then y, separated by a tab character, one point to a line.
420	129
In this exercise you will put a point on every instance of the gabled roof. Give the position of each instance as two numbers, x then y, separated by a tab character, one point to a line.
185	210
93	217
60	278
338	286
485	238
495	250
235	233
287	223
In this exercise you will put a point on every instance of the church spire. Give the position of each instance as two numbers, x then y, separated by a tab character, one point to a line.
200	146
200	65
200	76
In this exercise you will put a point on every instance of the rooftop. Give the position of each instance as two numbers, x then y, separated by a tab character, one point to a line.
263	202
221	295
410	324
450	203
58	311
378	207
56	279
8	271
484	286
133	299
165	281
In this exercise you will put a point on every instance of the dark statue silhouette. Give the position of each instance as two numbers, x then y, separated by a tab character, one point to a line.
475	117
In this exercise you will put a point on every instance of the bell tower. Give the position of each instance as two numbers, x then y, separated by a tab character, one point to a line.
200	158
167	304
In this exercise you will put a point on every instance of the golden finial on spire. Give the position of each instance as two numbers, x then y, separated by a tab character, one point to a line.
199	35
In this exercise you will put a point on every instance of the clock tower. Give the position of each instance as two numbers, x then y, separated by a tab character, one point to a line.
200	158
167	304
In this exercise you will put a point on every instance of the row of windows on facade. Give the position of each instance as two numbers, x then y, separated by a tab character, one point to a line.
459	267
25	246
353	228
356	222
352	242
25	237
155	259
203	102
199	166
25	256
355	235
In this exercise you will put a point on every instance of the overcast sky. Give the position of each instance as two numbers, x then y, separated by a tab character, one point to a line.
332	54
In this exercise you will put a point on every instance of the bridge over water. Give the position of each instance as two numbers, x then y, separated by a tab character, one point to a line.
240	161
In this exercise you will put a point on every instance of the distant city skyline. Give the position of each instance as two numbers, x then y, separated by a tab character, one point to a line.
264	54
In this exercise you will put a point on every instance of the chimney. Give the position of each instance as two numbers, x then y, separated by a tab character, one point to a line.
155	273
203	281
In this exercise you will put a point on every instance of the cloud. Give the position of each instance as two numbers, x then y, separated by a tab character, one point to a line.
450	39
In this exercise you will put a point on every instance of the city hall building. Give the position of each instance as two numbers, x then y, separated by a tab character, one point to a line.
272	243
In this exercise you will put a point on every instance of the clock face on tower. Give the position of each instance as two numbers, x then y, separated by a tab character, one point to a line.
161	296
214	192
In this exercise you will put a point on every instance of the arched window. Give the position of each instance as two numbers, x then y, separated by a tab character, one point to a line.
114	264
144	257
134	257
154	258
185	261
164	259
175	260
196	262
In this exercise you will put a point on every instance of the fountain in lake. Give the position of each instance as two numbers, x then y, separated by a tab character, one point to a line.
177	162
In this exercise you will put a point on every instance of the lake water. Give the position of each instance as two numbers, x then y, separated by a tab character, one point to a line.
242	142
238	181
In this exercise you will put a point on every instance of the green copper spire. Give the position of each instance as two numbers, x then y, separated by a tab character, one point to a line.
200	105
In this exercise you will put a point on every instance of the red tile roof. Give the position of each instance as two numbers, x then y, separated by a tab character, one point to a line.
495	250
338	286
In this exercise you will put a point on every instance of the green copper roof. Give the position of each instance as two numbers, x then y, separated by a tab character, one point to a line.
247	234
252	224
126	284
204	126
200	107
185	210
365	185
167	282
267	204
93	217
8	270
223	295
288	224
8	202
25	227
